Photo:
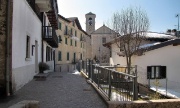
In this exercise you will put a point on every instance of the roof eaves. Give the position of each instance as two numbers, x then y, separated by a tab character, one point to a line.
65	19
163	44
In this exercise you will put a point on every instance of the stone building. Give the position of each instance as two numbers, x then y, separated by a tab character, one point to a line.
98	38
27	28
74	44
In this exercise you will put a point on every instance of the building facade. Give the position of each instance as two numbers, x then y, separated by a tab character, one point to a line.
24	39
160	51
49	36
73	42
100	36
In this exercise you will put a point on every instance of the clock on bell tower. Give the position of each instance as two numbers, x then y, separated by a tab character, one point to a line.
90	22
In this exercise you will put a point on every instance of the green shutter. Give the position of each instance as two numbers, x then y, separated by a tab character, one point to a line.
60	25
71	42
66	41
59	56
68	56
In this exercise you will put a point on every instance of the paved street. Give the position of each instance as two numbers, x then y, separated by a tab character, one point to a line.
59	90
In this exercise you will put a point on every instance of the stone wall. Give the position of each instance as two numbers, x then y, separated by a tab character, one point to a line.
2	40
166	103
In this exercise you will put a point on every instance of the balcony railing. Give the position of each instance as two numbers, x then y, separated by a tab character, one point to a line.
68	33
82	39
53	14
49	35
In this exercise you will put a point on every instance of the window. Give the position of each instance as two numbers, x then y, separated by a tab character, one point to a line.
81	45
75	33
75	43
71	31
81	38
59	39
67	56
59	25
73	23
28	47
66	30
156	72
66	41
121	46
71	42
59	56
81	56
103	40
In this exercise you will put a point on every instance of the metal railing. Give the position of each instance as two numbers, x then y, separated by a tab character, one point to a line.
116	86
49	33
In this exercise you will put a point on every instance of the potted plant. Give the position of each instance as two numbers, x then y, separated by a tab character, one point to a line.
42	67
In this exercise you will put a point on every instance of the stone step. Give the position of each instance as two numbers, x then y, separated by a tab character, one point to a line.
41	75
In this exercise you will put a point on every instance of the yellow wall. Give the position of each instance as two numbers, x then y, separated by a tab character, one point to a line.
64	48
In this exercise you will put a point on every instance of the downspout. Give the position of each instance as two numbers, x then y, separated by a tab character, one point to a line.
7	70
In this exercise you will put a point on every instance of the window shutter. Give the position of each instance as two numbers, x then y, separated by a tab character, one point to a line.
163	71
149	70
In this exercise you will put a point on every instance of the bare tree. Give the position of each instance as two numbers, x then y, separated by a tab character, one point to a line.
130	28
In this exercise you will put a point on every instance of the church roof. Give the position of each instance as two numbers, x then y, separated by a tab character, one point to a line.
103	30
90	13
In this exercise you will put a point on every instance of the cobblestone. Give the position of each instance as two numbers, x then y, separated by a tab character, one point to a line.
59	90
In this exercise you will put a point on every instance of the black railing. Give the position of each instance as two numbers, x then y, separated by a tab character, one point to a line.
49	34
82	39
117	86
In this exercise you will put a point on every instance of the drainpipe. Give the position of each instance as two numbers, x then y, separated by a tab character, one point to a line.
7	70
42	47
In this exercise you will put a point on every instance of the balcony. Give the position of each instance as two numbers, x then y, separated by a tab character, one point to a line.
68	33
82	39
49	35
53	14
44	5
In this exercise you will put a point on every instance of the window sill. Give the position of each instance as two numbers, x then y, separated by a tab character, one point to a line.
28	59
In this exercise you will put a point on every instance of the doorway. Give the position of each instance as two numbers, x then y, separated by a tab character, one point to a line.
74	57
36	56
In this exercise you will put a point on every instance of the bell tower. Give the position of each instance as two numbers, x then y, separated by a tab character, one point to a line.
90	22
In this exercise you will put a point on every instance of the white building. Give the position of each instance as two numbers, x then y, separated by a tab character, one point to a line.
161	51
26	43
32	38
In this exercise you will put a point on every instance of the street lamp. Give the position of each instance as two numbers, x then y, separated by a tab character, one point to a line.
178	20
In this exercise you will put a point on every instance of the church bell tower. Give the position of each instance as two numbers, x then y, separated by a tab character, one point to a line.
90	22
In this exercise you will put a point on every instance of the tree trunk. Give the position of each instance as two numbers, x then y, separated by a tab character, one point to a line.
129	65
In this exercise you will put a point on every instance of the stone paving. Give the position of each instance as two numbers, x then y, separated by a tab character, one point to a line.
59	90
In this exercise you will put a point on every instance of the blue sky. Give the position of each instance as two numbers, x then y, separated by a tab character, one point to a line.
161	13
